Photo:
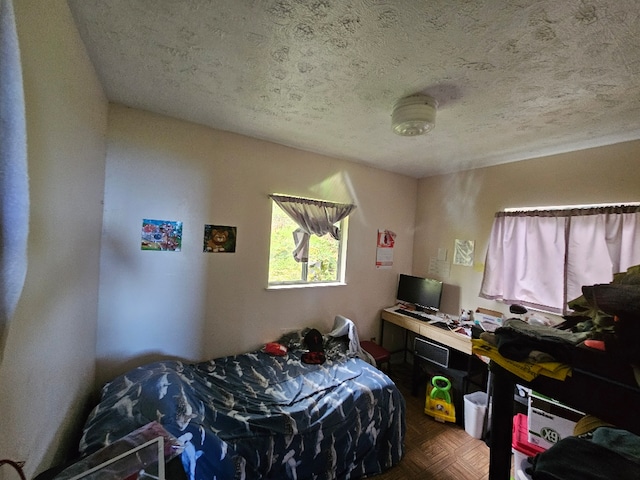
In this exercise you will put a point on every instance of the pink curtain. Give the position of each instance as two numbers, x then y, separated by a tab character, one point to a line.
542	259
601	243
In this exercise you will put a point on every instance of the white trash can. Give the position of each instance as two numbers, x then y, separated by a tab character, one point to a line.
475	406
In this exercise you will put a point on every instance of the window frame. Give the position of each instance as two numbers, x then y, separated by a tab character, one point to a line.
340	280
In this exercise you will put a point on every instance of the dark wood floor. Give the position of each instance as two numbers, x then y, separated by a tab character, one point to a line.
435	450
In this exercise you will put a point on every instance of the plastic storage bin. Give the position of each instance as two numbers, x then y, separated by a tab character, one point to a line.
475	406
521	447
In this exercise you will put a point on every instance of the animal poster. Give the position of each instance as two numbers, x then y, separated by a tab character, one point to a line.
161	235
219	239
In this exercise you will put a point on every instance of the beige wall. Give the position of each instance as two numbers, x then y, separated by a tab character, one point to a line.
48	366
197	305
194	305
462	205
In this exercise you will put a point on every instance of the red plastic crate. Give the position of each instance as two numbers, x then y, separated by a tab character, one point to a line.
519	437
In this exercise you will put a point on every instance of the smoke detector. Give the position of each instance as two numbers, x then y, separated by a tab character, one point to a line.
414	115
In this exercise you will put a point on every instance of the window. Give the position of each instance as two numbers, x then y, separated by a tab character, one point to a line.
542	258
308	241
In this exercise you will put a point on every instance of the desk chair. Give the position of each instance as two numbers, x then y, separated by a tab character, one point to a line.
380	354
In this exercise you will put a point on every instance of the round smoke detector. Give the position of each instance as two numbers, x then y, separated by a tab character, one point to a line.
414	115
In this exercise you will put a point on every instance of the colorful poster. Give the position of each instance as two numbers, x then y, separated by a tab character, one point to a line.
384	252
219	239
161	235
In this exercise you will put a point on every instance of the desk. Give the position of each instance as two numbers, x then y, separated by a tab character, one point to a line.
607	399
460	342
461	374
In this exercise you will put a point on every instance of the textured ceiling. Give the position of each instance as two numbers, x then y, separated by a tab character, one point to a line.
514	79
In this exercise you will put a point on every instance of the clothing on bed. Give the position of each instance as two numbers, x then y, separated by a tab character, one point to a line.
345	328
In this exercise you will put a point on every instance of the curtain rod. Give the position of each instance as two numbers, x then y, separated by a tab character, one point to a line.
571	207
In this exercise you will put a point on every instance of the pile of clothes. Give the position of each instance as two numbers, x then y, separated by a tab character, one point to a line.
605	319
600	452
519	341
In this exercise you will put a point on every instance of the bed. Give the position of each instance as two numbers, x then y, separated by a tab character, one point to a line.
259	415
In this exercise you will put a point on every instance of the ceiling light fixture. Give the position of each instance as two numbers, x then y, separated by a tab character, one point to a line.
414	115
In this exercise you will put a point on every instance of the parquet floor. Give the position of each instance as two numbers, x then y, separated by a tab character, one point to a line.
434	450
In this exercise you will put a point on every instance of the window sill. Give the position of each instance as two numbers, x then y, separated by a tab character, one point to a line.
289	286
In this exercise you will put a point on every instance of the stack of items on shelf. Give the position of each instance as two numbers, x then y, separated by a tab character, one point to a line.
546	423
601	339
529	350
610	315
595	451
602	336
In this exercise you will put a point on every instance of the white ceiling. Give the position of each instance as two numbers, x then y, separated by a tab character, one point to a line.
514	79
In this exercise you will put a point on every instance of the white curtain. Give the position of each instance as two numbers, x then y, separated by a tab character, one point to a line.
14	182
542	259
313	217
601	243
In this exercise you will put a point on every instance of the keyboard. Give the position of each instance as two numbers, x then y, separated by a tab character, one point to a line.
443	325
412	313
424	317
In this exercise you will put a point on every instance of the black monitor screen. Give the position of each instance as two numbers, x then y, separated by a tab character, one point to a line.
424	293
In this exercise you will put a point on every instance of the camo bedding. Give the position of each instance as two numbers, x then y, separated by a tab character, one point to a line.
258	416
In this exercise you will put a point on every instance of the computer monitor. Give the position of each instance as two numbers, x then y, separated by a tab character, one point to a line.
423	293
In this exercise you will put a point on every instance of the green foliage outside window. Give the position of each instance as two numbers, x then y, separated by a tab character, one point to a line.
323	254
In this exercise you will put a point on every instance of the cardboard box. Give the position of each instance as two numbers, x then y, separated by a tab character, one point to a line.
482	315
549	420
